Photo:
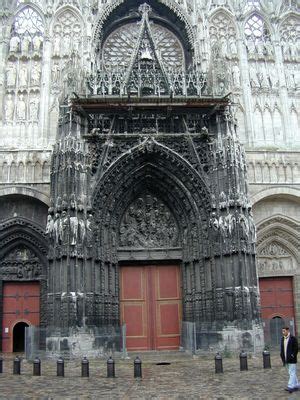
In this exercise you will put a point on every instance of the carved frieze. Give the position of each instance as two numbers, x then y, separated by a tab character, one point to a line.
148	223
21	263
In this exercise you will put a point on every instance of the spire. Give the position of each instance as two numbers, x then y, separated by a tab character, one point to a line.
146	73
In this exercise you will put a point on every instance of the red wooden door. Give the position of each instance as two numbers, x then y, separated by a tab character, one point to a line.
21	302
151	306
277	297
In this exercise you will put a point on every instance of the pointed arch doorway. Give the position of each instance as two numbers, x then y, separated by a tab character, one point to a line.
150	302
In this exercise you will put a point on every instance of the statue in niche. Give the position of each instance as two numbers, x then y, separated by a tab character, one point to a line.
285	49
260	48
21	108
57	229
67	45
253	76
34	108
36	74
268	47
50	227
37	43
25	43
223	47
244	227
73	230
232	47
273	77
14	44
11	74
23	75
214	222
251	46
252	228
89	230
55	73
262	77
56	45
9	108
293	50
236	79
64	226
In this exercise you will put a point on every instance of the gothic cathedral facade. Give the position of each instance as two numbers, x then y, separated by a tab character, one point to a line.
149	173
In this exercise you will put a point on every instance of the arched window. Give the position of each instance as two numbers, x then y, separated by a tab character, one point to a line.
290	36
258	37
28	21
222	31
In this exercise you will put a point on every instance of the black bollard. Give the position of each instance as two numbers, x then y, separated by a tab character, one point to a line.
85	369
37	367
110	368
17	366
266	359
60	367
218	364
137	368
243	361
1	365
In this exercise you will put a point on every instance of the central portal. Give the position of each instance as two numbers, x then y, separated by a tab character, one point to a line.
151	306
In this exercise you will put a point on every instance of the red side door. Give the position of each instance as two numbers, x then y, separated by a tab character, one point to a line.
21	303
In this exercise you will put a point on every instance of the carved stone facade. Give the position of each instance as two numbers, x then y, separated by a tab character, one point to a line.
147	106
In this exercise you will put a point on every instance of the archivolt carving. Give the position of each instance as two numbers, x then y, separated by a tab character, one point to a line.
22	230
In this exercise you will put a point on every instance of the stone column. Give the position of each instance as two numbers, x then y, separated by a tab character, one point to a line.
48	137
246	89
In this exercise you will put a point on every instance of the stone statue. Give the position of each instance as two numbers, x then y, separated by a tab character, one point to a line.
236	76
14	44
33	108
74	230
67	45
56	45
9	108
253	76
23	75
251	46
64	227
89	229
25	43
50	227
268	47
84	230
36	74
232	47
57	229
11	74
21	109
273	76
262	77
37	42
55	73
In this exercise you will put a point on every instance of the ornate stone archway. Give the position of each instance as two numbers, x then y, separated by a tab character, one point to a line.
23	259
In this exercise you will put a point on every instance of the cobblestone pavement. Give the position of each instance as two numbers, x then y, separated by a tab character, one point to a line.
185	377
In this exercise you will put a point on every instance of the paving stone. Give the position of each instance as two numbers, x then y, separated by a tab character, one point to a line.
188	377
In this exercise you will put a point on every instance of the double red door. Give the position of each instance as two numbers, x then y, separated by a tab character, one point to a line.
150	299
277	297
21	303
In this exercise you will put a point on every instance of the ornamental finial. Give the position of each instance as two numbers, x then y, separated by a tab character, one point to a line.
144	9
